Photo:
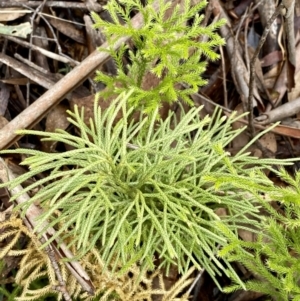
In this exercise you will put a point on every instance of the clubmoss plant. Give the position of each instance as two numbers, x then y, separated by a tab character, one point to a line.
141	190
138	191
35	277
274	258
169	46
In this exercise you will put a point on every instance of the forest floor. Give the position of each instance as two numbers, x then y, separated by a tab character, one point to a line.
48	60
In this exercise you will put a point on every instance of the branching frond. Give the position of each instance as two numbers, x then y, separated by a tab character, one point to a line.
274	257
115	197
166	46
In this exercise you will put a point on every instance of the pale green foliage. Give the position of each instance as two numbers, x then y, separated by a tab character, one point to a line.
163	47
275	257
35	277
134	190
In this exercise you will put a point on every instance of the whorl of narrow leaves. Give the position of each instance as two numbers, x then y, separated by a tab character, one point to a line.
139	190
167	46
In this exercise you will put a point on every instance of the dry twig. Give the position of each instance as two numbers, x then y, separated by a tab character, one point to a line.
36	111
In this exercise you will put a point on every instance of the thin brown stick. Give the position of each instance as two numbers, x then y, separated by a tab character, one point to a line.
62	284
45	81
224	77
45	52
234	59
252	67
284	111
290	38
60	4
32	23
31	64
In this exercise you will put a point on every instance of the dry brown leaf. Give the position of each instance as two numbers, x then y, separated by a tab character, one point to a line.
68	29
269	142
88	104
271	58
242	139
295	92
246	235
12	13
56	119
16	81
271	76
